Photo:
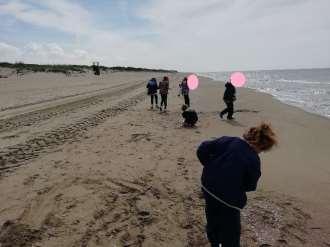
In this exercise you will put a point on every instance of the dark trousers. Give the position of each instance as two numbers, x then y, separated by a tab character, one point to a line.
189	122
229	109
154	96
223	223
186	99
163	100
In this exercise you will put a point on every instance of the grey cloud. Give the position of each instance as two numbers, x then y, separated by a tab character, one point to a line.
62	15
195	35
8	52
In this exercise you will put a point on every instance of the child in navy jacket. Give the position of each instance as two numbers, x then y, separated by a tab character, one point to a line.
231	168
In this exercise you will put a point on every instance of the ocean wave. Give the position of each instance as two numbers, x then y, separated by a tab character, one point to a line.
303	82
309	94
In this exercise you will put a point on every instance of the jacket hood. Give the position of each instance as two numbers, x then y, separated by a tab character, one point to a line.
229	84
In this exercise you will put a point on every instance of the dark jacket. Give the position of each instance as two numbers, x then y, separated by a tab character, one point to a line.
190	116
152	86
231	168
184	88
163	87
230	92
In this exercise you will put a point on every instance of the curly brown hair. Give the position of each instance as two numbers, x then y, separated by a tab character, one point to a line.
262	137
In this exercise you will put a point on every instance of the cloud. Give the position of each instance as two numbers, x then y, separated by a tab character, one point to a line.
70	17
194	35
54	54
242	34
48	53
62	15
8	52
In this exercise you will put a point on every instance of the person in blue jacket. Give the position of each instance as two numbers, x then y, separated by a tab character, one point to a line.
152	87
231	167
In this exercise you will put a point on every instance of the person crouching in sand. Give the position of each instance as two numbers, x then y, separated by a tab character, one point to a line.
231	168
190	117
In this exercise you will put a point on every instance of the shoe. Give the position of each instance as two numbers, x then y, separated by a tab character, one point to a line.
231	118
160	108
151	107
221	115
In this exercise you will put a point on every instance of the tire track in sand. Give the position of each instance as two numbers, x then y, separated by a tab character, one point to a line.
31	118
16	155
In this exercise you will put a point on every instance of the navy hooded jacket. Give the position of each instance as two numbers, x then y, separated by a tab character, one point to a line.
231	168
152	86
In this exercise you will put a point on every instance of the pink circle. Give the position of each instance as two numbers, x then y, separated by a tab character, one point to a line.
238	79
193	82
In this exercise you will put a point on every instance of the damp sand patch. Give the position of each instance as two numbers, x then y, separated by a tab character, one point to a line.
273	220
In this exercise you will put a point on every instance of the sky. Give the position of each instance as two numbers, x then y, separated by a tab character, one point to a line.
186	35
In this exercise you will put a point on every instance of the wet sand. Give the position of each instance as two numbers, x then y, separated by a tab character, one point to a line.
104	170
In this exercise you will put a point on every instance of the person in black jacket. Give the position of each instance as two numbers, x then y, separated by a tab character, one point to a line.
229	98
190	116
231	167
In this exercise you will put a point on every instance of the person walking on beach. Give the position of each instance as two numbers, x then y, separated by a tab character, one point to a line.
231	168
184	90
229	98
190	117
163	91
152	91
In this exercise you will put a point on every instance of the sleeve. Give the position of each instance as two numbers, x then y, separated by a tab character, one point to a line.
209	150
252	176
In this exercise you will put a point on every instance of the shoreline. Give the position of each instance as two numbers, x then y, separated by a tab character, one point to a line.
274	96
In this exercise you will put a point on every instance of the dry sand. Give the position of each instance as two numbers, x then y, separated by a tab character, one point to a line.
103	170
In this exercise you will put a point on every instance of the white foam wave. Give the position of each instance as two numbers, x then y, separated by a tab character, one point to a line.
303	81
313	97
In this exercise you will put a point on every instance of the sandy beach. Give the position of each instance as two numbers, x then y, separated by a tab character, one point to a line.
86	163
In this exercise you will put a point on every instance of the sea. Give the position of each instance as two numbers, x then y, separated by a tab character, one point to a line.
308	89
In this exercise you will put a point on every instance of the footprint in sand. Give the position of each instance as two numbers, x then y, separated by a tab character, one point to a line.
2	162
140	136
180	161
30	180
15	234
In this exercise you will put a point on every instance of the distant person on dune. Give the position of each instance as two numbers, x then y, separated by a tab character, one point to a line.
229	97
96	68
184	90
152	91
231	168
190	117
163	91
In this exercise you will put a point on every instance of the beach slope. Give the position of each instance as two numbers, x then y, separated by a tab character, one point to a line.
105	170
